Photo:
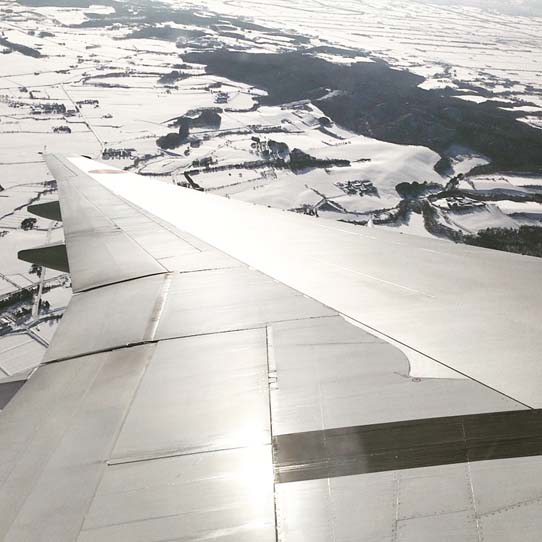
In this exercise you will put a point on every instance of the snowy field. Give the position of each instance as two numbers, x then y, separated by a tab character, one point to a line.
484	54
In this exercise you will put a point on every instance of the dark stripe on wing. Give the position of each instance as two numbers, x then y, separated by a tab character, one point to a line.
404	445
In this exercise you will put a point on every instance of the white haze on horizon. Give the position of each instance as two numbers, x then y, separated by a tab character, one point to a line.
529	8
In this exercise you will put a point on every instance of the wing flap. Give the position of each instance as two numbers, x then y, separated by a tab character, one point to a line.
66	421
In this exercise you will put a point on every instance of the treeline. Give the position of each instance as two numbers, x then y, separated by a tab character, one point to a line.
433	225
415	189
206	118
19	296
298	162
526	240
386	104
23	49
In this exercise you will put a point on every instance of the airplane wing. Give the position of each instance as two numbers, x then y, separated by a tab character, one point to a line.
237	373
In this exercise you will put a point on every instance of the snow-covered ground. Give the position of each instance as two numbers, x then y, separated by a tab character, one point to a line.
471	47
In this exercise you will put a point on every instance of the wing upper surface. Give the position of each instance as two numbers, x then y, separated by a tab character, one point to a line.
108	240
189	396
467	308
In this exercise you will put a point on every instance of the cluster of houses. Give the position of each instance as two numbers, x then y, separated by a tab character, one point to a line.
359	187
459	204
269	148
62	130
52	108
110	153
93	102
204	162
222	97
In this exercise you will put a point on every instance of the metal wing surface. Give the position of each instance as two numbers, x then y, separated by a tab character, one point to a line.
236	373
